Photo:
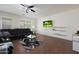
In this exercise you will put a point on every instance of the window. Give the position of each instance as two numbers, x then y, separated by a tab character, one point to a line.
6	23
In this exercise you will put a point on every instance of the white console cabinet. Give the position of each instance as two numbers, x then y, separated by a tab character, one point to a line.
76	42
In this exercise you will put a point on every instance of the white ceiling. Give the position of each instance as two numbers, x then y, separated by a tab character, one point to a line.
42	10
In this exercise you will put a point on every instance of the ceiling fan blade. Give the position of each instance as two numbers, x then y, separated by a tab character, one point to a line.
32	10
22	5
30	6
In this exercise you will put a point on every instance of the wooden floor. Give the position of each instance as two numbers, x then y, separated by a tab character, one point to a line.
49	45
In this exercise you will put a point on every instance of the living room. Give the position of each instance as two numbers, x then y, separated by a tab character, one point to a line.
55	37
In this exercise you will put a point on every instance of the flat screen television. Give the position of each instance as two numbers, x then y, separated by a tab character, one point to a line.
47	24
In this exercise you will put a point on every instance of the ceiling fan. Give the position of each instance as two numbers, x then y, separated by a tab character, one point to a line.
27	7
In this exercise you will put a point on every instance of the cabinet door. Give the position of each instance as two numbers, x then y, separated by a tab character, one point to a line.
76	46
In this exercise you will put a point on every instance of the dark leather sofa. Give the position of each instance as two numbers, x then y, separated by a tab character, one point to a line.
17	33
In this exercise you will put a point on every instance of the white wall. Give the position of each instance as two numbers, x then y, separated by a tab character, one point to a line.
0	23
68	19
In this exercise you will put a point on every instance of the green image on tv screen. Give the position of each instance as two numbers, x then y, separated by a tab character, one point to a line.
47	24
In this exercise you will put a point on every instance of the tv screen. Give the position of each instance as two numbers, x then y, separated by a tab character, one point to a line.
47	24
